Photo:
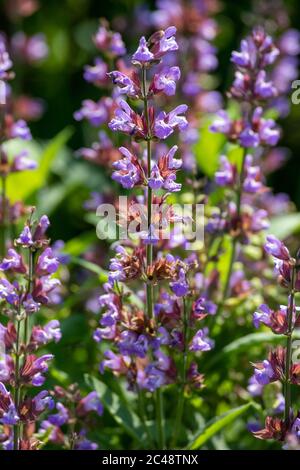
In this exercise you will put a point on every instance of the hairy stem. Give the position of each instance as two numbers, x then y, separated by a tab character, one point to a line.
288	357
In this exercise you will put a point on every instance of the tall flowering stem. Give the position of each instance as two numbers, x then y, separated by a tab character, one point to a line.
289	333
149	248
252	90
280	367
24	287
150	346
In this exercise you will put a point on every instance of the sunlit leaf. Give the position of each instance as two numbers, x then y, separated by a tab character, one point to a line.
217	425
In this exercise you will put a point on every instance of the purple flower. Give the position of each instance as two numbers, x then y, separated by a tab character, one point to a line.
30	305
8	412
262	315
20	130
252	182
254	388
96	73
42	401
25	238
96	113
201	342
47	263
226	175
128	171
165	81
22	162
203	306
124	119
165	124
289	42
243	57
180	287
13	261
8	292
222	123
133	344
277	249
92	403
125	84
5	62
265	374
117	46
156	180
166	43
248	138
142	54
60	418
50	332
39	367
262	88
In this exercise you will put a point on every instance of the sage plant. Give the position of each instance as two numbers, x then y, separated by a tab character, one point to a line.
152	346
28	284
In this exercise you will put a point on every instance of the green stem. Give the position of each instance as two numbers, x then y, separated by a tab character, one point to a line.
149	260
149	247
159	420
143	415
288	357
234	240
3	222
29	288
17	390
181	399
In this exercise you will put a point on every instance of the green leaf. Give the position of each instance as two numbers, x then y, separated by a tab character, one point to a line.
246	342
208	150
117	408
94	268
21	186
217	425
254	339
282	226
78	245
